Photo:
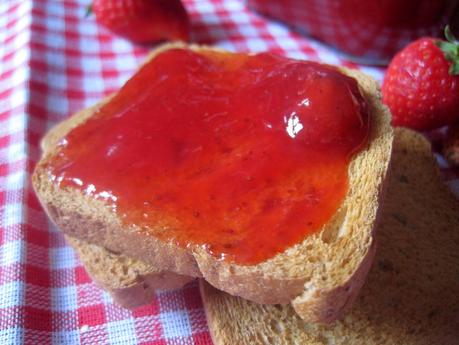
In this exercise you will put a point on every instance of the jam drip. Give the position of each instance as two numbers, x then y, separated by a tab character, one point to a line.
245	155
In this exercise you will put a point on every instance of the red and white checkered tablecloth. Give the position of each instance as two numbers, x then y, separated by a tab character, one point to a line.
54	61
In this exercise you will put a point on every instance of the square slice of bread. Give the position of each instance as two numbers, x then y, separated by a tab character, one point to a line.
320	277
411	296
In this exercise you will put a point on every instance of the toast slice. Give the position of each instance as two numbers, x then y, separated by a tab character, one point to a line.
411	294
320	276
130	282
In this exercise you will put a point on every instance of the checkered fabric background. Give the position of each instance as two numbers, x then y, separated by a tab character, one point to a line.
54	61
327	21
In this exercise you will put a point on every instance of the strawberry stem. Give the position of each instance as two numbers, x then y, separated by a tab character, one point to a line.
88	11
450	48
449	35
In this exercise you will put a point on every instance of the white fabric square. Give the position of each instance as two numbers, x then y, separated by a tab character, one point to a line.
65	337
92	84
12	294
18	97
15	181
89	27
55	8
61	257
12	252
287	43
55	23
249	30
64	298
58	103
121	332
57	79
11	214
91	64
11	336
55	40
204	6
256	44
240	17
125	63
234	5
175	324
122	46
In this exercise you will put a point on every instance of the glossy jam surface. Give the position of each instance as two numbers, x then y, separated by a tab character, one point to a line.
244	155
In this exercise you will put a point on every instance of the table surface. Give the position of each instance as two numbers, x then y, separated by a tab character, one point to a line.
53	62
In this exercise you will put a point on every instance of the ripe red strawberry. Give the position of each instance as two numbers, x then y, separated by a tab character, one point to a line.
144	21
421	86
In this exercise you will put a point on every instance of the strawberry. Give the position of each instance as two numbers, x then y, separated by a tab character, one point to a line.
144	21
421	86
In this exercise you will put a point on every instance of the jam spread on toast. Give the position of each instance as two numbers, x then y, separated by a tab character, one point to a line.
245	155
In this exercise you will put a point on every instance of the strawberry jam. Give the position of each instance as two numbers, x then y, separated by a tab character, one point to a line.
244	155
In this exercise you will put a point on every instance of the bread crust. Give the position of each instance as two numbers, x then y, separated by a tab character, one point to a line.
130	282
320	276
410	296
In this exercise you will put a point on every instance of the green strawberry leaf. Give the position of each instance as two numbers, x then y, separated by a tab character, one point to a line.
451	50
88	11
454	69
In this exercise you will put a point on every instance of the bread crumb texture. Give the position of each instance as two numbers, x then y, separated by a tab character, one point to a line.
320	277
411	296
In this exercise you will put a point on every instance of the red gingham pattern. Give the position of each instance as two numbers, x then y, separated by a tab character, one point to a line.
53	62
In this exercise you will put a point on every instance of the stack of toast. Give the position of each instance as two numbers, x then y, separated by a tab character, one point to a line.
396	207
410	296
